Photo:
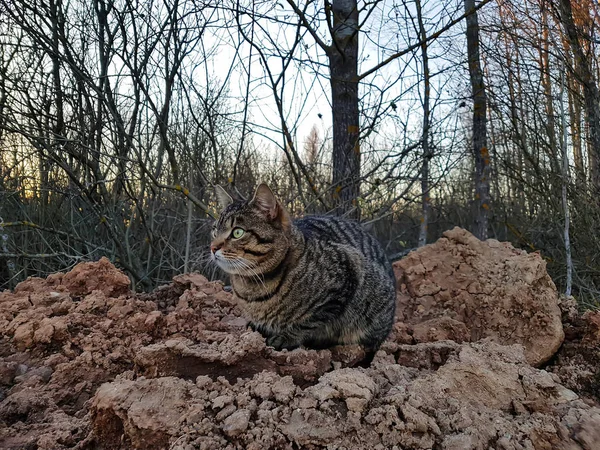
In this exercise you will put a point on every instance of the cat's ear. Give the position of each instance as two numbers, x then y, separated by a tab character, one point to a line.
223	198
265	201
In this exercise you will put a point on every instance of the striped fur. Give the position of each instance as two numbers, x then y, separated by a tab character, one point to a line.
314	282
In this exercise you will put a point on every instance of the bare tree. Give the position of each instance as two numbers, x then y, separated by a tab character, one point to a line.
427	154
81	104
117	117
343	69
481	152
565	184
344	20
585	75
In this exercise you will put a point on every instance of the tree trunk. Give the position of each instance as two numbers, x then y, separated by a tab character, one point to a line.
343	66
518	150
544	51
479	146
575	121
591	94
565	184
425	200
57	139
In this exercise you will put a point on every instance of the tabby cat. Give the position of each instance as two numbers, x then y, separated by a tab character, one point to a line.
314	282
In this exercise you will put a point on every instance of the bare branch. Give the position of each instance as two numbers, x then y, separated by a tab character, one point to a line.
433	36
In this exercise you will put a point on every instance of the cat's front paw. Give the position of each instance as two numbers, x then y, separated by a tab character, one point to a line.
280	342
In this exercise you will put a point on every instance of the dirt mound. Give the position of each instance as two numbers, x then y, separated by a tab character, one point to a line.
578	361
463	289
61	338
99	276
484	395
87	364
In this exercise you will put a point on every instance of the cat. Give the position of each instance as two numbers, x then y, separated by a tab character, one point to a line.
315	282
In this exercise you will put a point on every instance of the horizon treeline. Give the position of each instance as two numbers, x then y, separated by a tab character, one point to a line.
117	118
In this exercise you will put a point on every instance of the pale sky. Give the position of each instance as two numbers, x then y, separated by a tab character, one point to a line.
306	92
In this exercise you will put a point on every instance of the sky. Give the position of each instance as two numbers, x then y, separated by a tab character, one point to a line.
305	95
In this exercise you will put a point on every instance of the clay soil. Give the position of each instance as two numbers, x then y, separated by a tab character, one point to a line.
87	364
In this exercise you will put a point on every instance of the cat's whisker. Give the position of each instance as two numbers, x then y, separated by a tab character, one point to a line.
258	277
244	266
235	264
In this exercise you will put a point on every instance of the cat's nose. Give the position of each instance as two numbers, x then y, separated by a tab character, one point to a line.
215	247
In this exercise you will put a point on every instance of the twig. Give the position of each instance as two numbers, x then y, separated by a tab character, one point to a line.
400	255
25	223
39	255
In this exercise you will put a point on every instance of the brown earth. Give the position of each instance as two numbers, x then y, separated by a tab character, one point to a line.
464	289
86	364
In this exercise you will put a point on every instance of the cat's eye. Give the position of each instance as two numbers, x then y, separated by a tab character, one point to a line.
214	233
237	233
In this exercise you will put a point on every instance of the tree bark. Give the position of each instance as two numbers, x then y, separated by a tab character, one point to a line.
591	94
479	145
565	184
343	67
575	119
425	200
544	52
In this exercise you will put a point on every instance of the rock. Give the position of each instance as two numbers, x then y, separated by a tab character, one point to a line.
221	401
23	336
305	366
592	331
95	302
577	363
96	276
313	428
284	389
494	290
147	411
183	358
323	391
587	434
51	329
441	329
427	355
350	383
236	423
8	372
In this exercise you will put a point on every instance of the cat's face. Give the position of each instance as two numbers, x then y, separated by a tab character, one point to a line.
250	237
